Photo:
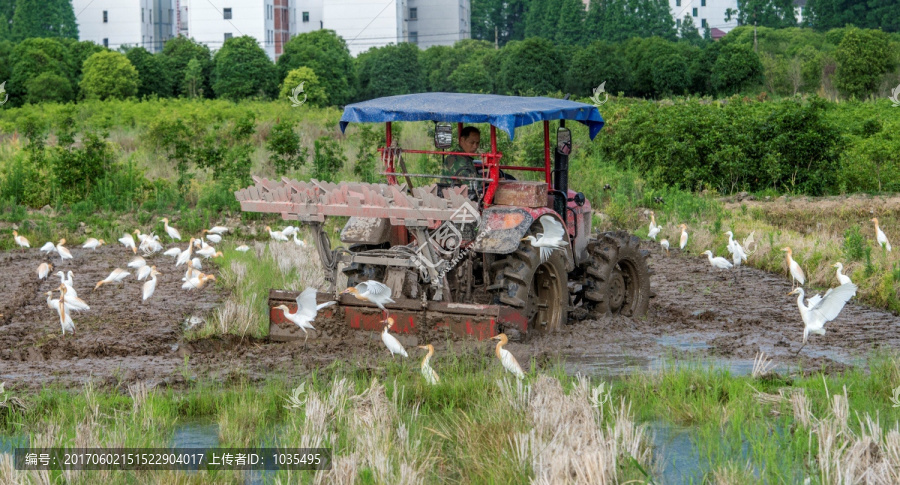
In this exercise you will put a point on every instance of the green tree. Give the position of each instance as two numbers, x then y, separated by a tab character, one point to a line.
670	76
570	26
313	92
644	54
533	66
863	57
737	68
78	53
688	31
328	158
598	63
327	55
506	16
618	20
472	77
872	14
154	78
243	70
389	70
192	84
49	87
177	53
5	32
285	151
764	13
109	75
536	16
438	63
44	18
6	49
33	57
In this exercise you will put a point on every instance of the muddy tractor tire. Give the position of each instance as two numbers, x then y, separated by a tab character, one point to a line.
617	276
538	289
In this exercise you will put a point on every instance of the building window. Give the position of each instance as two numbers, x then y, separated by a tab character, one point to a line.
414	37
695	11
413	13
678	23
702	3
142	15
105	17
306	19
677	3
226	13
703	23
105	42
228	35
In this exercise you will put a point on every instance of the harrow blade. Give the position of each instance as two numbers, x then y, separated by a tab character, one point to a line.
410	317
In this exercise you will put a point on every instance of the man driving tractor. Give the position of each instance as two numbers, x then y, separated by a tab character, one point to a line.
462	165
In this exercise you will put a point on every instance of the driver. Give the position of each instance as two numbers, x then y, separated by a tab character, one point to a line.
463	165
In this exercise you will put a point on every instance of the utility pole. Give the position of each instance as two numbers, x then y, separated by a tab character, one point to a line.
755	47
496	40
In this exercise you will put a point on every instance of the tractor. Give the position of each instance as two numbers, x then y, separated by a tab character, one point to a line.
454	251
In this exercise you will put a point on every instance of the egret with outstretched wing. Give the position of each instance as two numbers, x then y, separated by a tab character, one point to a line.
551	239
307	309
822	310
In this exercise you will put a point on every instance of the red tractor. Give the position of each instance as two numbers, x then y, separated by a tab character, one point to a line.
454	253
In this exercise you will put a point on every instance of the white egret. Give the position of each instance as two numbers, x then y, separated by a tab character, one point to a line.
665	245
93	243
551	239
72	302
174	252
299	242
140	237
737	252
276	235
128	241
197	281
143	272
209	252
506	358
430	375
190	272
117	274
373	291
306	312
151	245
287	231
44	270
718	261
65	320
218	229
68	282
654	229
63	252
684	236
390	341
242	248
137	262
48	247
185	255
822	310
21	240
842	278
196	263
213	237
171	231
150	285
794	268
880	237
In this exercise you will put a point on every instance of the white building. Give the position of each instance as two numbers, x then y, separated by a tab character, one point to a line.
705	13
374	23
118	23
212	22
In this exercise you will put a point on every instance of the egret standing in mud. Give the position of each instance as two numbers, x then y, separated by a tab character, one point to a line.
44	270
821	310
128	241
216	238
684	236
842	278
551	239
880	237
373	291
185	256
198	281
217	230
48	247
276	235
171	231
117	274
93	243
506	358
390	341
307	309
665	245
718	261
63	252
21	240
65	320
430	375
794	268
150	285
654	229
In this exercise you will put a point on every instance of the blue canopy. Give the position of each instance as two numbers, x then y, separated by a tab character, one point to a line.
504	112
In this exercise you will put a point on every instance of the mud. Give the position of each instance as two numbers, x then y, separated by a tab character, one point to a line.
698	311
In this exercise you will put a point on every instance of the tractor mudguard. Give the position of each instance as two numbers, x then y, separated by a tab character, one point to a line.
505	226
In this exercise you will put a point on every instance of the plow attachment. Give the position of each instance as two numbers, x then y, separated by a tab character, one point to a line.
410	317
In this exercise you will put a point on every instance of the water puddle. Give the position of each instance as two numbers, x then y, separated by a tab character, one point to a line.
678	460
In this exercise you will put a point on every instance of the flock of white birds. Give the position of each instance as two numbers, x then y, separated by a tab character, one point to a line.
819	309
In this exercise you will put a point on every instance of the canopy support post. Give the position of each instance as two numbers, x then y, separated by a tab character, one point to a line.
547	152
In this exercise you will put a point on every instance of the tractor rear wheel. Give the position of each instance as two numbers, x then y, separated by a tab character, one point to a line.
617	278
537	289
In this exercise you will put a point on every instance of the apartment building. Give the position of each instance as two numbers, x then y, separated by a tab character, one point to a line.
118	23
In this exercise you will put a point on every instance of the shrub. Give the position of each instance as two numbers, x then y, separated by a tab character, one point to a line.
313	91
243	70
284	147
328	158
109	75
863	57
328	56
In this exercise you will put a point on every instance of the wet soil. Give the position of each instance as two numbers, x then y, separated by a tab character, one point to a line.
698	310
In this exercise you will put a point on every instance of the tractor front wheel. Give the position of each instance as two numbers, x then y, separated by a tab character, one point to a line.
539	289
617	278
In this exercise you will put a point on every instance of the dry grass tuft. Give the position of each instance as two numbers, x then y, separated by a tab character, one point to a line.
762	366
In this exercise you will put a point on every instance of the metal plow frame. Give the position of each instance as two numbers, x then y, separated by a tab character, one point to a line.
410	316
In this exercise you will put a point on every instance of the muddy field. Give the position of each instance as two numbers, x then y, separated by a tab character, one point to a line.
697	310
